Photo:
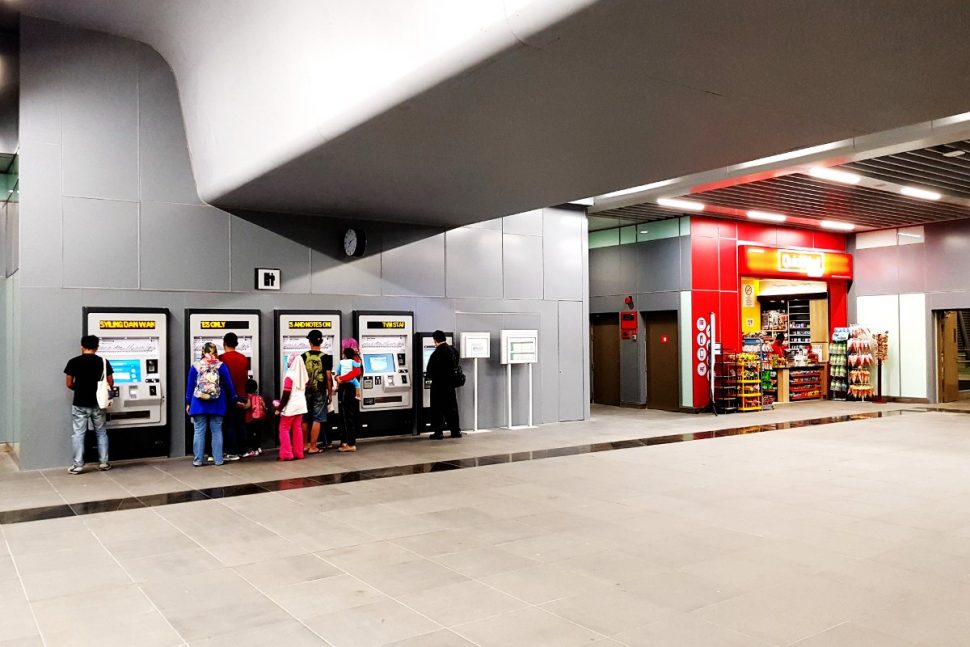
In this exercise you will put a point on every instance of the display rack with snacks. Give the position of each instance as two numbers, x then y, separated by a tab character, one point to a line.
726	373
859	360
838	365
804	383
749	386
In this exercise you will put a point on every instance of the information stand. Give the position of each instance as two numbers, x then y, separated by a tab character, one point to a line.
519	347
475	346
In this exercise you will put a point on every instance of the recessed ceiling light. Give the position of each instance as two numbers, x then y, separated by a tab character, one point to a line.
644	231
677	203
922	194
824	173
956	152
767	215
837	226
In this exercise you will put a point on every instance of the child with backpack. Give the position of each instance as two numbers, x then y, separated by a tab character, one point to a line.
208	390
254	418
291	407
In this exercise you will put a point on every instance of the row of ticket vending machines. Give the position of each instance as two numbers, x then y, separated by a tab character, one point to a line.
395	396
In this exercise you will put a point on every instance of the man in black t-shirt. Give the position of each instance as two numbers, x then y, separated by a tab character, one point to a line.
441	372
83	374
319	392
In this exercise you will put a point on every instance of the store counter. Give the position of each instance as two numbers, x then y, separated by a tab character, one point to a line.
797	383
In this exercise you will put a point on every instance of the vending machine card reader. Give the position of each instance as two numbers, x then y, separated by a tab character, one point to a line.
387	404
292	327
135	344
423	347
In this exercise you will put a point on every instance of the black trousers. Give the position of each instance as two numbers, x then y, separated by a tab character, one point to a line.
444	410
234	430
349	414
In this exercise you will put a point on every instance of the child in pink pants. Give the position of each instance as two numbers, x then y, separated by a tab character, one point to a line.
291	407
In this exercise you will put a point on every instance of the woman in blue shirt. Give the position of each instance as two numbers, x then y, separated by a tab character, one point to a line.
207	392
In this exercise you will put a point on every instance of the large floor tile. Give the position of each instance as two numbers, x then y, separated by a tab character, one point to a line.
682	629
543	583
531	626
307	599
379	623
459	603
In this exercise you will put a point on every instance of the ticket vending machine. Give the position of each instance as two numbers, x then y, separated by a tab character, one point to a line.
387	392
423	347
202	326
292	327
135	343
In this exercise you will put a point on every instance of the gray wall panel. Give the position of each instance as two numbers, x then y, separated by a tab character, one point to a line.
528	223
948	255
877	270
331	275
46	417
522	271
40	203
911	264
253	246
562	253
184	247
415	267
40	88
100	243
686	273
657	264
165	172
474	262
99	94
604	271
571	364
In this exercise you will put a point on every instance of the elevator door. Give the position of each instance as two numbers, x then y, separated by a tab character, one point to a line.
606	358
663	363
947	363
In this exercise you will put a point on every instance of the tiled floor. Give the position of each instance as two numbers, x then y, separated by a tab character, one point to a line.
854	533
53	487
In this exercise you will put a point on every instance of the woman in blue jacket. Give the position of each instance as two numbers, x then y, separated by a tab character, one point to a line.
207	392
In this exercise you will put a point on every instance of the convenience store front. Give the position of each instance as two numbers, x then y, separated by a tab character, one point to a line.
761	281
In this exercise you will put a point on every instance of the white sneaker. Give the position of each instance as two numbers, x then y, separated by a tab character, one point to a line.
75	469
231	457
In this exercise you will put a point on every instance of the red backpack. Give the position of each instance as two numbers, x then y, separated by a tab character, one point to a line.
258	411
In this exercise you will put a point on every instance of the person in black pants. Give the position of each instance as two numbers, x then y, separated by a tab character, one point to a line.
348	396
444	402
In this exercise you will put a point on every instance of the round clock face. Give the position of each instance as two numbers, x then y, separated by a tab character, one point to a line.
354	242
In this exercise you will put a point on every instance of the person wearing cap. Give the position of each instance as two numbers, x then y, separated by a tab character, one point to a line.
319	392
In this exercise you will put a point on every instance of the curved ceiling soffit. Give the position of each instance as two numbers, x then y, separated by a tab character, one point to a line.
227	91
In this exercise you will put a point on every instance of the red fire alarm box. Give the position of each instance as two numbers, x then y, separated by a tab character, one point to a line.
628	321
629	325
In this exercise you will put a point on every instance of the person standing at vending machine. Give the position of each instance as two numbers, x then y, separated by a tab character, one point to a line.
208	392
319	391
441	371
291	407
82	376
233	427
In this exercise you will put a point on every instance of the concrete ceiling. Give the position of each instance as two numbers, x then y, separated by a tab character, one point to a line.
524	104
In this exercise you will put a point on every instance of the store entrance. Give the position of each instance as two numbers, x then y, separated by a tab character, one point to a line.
663	365
953	355
605	333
